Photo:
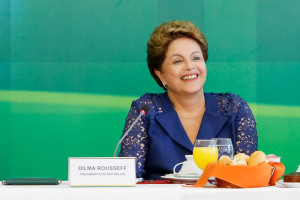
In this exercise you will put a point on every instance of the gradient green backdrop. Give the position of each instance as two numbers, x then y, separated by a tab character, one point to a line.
69	70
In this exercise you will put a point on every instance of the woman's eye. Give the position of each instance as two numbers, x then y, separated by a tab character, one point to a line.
196	58
177	61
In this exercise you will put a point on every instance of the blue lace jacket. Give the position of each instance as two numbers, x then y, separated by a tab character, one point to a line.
159	141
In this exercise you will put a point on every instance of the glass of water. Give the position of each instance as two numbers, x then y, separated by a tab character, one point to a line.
225	147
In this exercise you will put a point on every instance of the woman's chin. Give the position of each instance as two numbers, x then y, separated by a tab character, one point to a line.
193	91
189	90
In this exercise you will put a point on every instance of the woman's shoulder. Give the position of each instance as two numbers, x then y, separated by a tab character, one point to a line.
227	97
150	99
229	103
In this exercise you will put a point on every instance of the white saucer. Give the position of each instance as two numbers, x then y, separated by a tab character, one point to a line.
180	180
291	184
187	176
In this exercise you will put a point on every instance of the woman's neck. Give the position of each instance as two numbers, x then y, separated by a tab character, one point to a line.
188	105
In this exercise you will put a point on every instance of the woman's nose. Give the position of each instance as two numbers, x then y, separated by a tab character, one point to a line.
189	65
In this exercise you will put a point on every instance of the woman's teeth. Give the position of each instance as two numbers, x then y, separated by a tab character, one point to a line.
189	77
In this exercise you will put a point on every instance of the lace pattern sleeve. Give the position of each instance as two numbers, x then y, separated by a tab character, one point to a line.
135	144
245	125
246	135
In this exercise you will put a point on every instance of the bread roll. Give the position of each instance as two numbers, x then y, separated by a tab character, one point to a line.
241	156
256	158
238	161
224	160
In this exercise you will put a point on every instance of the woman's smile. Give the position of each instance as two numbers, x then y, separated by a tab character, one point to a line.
189	77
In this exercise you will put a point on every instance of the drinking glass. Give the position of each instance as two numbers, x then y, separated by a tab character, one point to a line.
225	147
205	151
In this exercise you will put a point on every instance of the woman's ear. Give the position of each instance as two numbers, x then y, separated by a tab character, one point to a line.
161	78
159	74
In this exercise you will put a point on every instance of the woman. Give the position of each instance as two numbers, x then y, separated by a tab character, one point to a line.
177	55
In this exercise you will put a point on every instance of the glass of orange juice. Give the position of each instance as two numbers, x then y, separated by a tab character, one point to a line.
205	151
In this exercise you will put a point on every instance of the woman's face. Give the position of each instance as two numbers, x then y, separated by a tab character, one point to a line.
184	68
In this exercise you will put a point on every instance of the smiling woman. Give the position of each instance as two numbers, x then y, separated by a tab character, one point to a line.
177	55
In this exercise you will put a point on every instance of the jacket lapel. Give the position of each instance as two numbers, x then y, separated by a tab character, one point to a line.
171	123
211	124
173	127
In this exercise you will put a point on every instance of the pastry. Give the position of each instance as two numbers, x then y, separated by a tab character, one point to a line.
292	177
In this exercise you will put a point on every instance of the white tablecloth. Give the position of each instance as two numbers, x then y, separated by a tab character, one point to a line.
143	192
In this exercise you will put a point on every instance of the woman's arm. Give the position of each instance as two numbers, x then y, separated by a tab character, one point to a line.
246	133
135	144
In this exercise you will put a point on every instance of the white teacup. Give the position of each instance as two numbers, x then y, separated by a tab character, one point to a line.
189	168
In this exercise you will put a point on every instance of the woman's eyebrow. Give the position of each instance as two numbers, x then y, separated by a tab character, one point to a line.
195	52
176	55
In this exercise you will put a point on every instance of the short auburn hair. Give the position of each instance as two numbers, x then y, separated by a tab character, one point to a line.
163	35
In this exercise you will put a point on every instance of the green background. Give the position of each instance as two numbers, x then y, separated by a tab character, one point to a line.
69	70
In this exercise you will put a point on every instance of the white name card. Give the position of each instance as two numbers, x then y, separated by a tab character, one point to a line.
102	171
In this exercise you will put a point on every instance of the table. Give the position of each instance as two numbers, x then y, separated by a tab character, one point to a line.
143	192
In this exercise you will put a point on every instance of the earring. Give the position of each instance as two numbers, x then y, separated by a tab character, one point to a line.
165	86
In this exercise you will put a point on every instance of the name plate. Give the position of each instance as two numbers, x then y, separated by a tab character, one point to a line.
102	171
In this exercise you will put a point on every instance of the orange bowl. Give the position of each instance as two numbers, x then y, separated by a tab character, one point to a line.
235	176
